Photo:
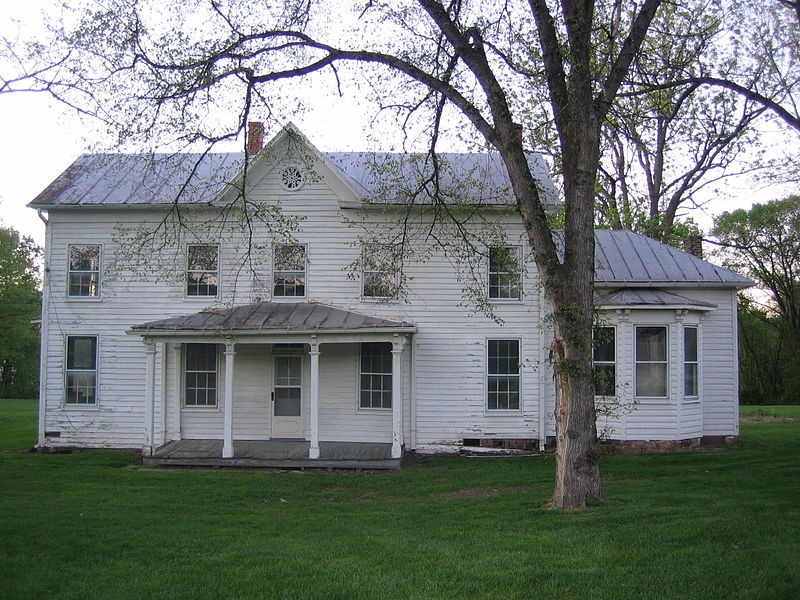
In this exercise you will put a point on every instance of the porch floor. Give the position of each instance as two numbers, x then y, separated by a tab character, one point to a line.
282	454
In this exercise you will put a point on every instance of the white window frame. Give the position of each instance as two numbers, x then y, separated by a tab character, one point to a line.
637	362
98	273
68	371
276	271
185	372
189	272
695	362
596	363
389	268
488	374
361	373
509	274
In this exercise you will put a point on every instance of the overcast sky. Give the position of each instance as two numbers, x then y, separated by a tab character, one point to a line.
40	138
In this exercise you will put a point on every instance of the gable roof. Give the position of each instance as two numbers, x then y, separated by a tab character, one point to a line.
199	179
274	317
627	259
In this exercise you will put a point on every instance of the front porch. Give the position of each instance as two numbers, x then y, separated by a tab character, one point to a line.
280	454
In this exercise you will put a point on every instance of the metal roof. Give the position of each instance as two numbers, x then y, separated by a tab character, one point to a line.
163	179
650	298
274	317
629	259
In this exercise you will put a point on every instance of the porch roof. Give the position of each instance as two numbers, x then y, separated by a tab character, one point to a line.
649	298
273	318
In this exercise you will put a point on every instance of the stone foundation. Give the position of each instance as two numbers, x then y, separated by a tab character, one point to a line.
656	446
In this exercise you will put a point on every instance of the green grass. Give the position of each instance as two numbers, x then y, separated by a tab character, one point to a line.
17	424
706	524
782	411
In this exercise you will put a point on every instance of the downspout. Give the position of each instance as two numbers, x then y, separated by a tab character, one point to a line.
44	331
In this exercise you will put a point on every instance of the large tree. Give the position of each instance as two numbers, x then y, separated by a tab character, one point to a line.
20	303
514	71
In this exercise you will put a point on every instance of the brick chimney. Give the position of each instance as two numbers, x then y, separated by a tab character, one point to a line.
255	137
693	245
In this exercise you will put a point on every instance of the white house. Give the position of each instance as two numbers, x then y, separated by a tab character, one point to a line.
173	324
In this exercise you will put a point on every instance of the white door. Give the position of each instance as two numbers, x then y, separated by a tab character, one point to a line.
287	399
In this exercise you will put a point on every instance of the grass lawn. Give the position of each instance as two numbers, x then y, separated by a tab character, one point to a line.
708	524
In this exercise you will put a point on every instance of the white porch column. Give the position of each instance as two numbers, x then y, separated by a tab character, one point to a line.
177	392
397	394
162	430
313	451
150	398
227	444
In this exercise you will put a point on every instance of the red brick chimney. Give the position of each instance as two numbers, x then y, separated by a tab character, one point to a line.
255	137
693	245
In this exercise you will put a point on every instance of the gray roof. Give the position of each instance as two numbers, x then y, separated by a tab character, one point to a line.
274	317
624	258
652	298
162	179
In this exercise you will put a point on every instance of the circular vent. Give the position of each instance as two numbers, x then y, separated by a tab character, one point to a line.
292	178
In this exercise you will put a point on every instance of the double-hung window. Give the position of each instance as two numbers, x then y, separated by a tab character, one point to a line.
84	271
289	271
200	375
651	362
691	368
504	273
81	370
502	375
604	355
202	273
379	275
375	377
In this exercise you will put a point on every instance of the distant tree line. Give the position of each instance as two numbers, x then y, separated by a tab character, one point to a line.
20	306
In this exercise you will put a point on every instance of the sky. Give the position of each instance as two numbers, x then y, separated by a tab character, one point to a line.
40	138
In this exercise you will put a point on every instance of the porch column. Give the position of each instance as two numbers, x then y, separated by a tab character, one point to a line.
150	398
313	451
397	394
227	444
177	392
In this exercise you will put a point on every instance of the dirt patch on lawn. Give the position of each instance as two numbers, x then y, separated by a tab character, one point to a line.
480	492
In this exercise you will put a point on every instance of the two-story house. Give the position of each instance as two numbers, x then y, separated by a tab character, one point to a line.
212	311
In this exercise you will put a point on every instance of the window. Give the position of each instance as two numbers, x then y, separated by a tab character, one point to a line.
375	385
289	271
202	273
504	273
503	375
200	375
379	276
604	355
84	271
651	362
691	369
81	371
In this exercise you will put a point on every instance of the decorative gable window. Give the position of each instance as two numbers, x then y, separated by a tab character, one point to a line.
502	385
378	273
651	362
200	375
504	273
81	370
289	271
84	271
691	364
604	361
202	273
375	376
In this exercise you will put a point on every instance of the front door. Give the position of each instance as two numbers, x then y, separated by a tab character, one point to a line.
287	401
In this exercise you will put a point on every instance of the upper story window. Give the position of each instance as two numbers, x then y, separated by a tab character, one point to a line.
378	273
691	363
202	275
200	375
651	362
289	271
504	273
604	358
84	271
502	375
81	370
375	385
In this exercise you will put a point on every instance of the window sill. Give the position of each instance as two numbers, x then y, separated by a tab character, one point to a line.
84	298
80	407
